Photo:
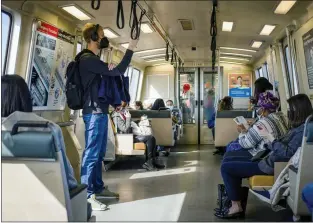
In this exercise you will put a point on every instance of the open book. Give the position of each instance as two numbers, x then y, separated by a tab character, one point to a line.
240	120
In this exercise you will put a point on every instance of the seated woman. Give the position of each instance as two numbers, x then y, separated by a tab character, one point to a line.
16	105
122	121
273	122
282	149
251	141
225	104
138	105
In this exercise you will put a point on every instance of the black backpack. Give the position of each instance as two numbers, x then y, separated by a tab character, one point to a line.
74	90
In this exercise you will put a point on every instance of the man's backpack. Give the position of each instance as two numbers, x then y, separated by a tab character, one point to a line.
74	90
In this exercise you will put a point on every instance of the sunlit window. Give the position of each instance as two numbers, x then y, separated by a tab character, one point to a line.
6	34
134	83
78	48
292	83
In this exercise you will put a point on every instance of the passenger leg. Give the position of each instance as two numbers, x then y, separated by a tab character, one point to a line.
233	172
101	191
94	125
238	155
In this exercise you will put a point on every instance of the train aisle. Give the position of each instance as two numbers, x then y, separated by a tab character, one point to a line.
185	191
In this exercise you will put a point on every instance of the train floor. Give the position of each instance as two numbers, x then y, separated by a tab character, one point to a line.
185	191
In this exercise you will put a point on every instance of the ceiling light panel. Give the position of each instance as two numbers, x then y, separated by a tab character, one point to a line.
231	62
146	28
150	51
110	33
267	30
236	54
234	58
237	49
125	45
227	26
76	12
256	44
155	55
284	7
153	60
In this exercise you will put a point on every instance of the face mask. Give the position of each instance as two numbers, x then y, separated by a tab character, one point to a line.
104	43
169	107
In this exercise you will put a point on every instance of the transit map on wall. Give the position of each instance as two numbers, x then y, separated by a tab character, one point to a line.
239	85
308	53
53	51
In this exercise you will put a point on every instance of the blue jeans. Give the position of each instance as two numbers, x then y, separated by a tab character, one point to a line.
307	197
96	134
233	170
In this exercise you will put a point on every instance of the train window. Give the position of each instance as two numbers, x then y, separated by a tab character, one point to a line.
134	83
265	71
257	75
260	72
6	34
78	48
288	70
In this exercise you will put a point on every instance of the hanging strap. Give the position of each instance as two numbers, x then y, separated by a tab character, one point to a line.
120	19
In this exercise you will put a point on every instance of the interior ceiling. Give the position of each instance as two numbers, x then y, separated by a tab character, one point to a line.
248	16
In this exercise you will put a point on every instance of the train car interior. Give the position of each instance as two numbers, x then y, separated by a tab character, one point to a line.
157	110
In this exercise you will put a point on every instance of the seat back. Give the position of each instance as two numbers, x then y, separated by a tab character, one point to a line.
161	122
226	128
34	185
304	174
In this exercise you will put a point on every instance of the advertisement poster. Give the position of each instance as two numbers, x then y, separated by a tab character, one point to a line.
52	53
308	53
239	85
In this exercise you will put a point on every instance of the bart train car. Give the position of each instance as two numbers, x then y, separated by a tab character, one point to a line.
219	68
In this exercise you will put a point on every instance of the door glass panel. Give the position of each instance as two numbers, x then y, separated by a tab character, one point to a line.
187	97
209	86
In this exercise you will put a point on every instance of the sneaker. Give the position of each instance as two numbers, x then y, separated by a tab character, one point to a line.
148	165
95	204
107	194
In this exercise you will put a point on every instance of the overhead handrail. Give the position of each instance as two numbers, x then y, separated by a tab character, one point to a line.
120	19
134	22
213	33
167	56
93	6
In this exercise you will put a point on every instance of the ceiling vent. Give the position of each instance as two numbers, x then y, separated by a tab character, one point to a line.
186	24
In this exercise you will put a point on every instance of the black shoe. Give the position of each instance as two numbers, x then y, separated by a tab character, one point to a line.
158	165
225	215
148	165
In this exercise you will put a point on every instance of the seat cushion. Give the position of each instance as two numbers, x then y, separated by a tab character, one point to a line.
261	181
139	146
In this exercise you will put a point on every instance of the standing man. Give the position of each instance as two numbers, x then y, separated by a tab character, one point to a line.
95	112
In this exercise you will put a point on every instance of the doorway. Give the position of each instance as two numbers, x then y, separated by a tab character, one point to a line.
197	100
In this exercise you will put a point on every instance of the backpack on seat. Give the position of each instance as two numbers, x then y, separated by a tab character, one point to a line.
74	90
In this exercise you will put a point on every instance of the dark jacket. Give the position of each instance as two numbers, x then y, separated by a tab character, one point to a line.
282	149
91	69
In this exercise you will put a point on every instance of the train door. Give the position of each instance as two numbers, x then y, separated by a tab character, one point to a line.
197	103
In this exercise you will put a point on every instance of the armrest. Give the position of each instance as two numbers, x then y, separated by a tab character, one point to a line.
77	190
278	167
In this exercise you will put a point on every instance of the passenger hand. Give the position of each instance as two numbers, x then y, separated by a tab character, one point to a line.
111	66
127	114
133	44
241	128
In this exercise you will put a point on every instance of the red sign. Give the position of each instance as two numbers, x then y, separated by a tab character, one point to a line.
47	29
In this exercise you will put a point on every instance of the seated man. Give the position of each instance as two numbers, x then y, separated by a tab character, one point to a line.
122	121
